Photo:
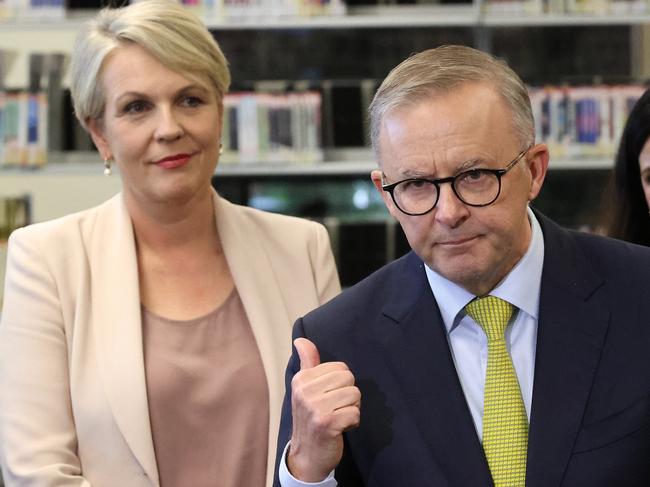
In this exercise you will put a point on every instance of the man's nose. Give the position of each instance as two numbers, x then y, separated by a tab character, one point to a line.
450	210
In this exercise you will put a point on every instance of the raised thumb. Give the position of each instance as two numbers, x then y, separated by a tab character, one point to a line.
308	353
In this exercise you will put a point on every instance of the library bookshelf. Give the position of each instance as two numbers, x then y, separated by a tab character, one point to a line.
599	46
75	181
26	34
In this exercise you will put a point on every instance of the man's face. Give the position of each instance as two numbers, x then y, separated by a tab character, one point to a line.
470	127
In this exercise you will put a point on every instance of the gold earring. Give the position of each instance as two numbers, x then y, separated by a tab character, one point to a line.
220	149
107	167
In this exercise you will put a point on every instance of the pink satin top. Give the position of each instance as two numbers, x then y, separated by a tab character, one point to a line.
208	398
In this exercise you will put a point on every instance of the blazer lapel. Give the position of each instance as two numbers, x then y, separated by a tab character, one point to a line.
571	332
117	327
416	346
265	307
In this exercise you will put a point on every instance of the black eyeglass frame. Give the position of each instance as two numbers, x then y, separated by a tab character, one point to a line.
389	188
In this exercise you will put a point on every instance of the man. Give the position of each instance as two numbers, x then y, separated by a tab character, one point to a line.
503	350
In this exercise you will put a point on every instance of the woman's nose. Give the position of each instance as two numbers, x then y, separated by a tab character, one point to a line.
168	127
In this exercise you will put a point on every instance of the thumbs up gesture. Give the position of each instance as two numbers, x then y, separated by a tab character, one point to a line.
325	403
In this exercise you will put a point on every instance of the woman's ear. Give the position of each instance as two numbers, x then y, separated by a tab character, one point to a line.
96	130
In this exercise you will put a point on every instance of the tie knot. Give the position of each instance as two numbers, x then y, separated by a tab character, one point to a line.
492	314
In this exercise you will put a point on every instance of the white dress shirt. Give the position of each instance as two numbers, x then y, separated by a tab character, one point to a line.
468	342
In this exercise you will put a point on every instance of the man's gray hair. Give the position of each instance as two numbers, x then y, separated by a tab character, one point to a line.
440	70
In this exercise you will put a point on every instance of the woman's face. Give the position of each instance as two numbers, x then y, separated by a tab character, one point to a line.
644	167
161	128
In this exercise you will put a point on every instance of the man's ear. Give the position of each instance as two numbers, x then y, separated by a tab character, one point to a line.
96	130
376	177
538	158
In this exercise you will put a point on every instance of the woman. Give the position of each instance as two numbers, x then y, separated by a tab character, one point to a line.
627	202
143	342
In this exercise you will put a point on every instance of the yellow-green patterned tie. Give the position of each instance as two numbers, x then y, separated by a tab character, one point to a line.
505	424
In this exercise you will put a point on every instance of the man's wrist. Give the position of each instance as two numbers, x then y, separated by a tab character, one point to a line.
288	480
300	469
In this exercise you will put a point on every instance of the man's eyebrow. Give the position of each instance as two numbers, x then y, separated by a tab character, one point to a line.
470	164
464	166
412	173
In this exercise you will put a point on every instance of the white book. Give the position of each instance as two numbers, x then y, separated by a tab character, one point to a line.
3	101
247	129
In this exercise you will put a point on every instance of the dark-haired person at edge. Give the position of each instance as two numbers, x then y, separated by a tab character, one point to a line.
626	204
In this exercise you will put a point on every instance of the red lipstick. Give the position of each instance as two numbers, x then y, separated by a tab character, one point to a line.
172	162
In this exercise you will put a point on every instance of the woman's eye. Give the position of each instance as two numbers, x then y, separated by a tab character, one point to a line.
192	101
135	107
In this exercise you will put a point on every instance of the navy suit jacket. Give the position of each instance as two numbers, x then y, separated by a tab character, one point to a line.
590	415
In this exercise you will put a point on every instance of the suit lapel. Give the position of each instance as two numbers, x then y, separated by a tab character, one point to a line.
571	332
415	344
117	327
263	301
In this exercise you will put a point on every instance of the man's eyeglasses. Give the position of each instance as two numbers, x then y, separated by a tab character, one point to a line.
475	187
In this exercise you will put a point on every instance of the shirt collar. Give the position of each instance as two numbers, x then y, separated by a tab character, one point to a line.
520	287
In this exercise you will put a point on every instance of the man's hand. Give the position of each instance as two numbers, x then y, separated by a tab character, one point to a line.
325	403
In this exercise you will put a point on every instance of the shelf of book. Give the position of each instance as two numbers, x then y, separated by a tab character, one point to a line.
24	34
407	16
344	168
68	23
561	19
337	162
388	16
404	16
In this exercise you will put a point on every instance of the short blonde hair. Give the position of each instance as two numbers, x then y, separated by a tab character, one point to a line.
167	30
440	70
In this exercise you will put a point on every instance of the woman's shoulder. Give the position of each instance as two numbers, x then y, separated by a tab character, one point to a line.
261	218
53	231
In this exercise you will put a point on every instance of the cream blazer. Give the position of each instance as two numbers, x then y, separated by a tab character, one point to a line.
73	403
